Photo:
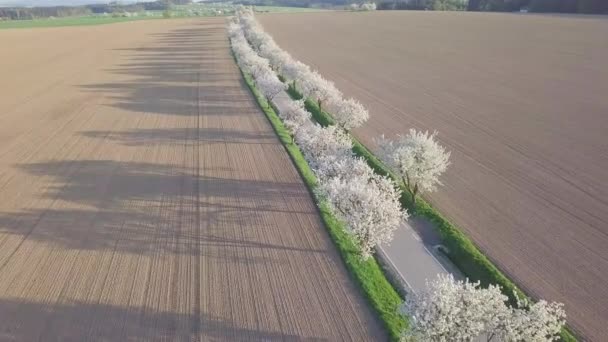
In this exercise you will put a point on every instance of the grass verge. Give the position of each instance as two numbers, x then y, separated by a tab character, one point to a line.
462	251
88	20
368	274
68	21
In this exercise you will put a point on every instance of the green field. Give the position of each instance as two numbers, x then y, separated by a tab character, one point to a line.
68	21
192	10
177	11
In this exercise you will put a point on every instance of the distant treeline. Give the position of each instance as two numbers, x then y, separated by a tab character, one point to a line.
21	13
422	5
293	3
555	6
135	7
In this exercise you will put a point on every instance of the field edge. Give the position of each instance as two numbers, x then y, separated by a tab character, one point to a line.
462	251
369	275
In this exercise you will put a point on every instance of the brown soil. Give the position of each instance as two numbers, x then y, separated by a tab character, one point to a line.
520	100
145	196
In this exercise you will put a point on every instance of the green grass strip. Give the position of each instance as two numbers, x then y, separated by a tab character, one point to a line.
67	21
368	274
462	251
83	20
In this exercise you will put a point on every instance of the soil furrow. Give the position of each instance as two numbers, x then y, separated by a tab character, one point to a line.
146	197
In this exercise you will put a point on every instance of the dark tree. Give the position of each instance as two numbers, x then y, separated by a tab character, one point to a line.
473	5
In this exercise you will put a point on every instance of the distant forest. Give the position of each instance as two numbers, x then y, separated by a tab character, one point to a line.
553	6
556	6
22	13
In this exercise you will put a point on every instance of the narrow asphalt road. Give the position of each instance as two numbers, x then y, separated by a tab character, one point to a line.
411	252
415	258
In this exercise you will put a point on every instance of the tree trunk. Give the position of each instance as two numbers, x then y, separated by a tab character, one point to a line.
406	181
365	241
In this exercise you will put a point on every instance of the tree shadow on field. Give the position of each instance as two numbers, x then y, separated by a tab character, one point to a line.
183	72
143	208
195	215
176	136
81	321
178	207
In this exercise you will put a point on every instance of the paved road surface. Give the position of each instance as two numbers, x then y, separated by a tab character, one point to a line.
520	100
415	259
410	254
145	196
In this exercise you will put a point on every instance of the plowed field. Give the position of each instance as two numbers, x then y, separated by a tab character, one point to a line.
522	103
144	196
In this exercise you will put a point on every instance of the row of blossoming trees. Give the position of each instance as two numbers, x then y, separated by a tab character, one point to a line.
368	203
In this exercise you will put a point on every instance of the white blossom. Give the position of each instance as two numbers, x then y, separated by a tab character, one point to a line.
252	30
315	86
343	167
246	57
367	203
270	85
418	158
368	6
256	65
369	206
541	321
295	71
323	144
451	310
348	114
234	29
275	55
294	115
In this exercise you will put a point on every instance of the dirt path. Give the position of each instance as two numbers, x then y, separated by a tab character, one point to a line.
145	196
520	100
